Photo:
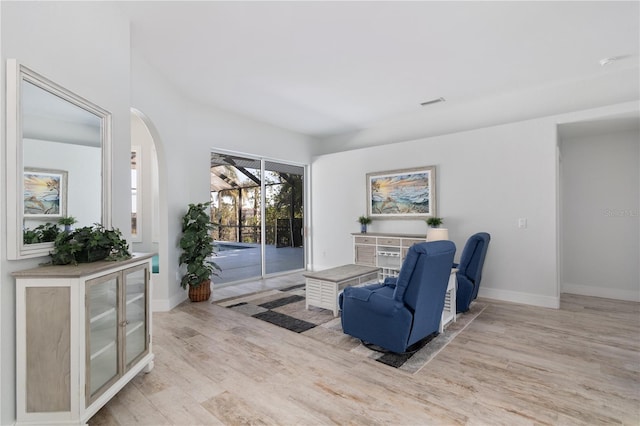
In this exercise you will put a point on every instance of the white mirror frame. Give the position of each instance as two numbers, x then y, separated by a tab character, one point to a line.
16	73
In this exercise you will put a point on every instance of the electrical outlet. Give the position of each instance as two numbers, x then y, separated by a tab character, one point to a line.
522	223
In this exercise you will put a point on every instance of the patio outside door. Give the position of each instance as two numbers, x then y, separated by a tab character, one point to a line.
257	210
284	217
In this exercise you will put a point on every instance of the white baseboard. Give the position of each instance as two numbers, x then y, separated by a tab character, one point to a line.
606	292
165	305
316	267
518	297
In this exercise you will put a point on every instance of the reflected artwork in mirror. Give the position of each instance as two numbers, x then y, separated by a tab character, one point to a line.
58	152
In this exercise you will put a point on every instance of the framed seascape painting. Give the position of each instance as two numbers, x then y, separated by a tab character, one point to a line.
402	194
45	193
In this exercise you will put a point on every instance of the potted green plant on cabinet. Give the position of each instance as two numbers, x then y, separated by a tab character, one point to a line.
89	244
197	248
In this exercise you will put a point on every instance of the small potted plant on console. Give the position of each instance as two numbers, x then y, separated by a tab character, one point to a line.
435	233
364	221
67	222
434	222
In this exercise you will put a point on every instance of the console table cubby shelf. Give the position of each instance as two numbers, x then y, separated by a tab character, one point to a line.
387	252
82	333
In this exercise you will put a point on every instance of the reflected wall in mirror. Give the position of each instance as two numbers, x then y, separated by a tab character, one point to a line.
58	161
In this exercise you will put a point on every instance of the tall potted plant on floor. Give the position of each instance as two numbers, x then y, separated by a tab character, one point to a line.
197	248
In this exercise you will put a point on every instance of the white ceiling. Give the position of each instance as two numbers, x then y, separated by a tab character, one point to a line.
328	68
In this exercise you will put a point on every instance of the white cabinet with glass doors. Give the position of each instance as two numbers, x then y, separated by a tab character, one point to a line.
83	332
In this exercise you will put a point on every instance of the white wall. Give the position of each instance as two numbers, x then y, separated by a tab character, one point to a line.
84	47
486	179
184	133
601	215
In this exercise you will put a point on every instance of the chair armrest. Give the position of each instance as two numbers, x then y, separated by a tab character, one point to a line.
390	281
359	293
372	301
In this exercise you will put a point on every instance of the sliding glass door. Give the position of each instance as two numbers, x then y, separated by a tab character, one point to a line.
257	210
284	217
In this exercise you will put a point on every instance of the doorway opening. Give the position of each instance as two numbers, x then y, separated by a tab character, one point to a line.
149	209
599	208
257	208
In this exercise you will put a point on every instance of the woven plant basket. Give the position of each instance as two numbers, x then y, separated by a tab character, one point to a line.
201	292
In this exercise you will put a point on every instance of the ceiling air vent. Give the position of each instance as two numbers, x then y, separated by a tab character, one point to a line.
432	101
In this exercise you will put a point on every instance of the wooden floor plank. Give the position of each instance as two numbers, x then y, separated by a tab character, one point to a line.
513	365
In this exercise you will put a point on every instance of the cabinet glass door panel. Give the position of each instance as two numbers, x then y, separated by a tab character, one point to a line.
135	313
102	332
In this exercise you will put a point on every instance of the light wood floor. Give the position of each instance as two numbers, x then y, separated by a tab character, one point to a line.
514	365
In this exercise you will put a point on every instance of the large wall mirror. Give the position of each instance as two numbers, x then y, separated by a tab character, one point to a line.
58	161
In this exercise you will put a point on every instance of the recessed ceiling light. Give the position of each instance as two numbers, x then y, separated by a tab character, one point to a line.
432	101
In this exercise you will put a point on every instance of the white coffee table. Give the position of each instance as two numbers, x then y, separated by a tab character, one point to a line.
322	287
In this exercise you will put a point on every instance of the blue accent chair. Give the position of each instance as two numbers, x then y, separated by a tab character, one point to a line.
402	310
469	272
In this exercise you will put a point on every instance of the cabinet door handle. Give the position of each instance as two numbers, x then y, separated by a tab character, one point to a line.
124	323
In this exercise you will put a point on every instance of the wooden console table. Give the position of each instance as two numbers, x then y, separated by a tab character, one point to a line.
386	251
322	288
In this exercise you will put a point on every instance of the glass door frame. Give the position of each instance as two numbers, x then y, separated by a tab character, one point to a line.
263	199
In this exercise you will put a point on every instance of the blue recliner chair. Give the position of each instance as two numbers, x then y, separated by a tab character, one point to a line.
470	269
402	310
